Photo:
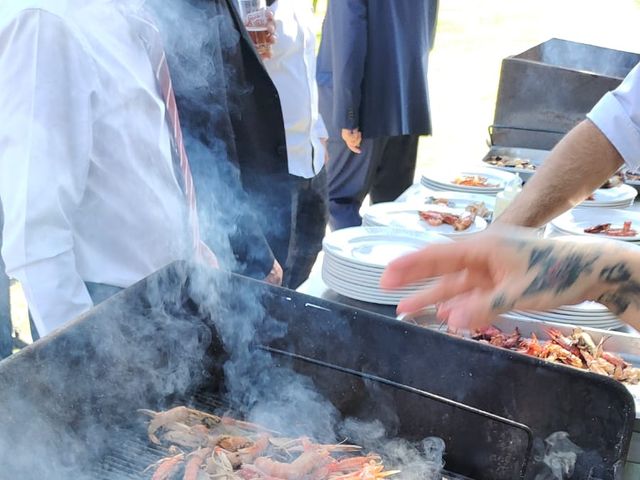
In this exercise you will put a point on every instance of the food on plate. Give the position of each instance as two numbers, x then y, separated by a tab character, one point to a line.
202	446
479	208
615	181
632	176
474	181
605	228
512	162
445	202
577	350
458	222
591	198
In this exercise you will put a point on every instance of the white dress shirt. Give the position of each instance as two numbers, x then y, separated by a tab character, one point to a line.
86	175
293	70
617	115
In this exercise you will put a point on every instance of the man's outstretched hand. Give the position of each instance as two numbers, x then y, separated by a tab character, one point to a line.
500	271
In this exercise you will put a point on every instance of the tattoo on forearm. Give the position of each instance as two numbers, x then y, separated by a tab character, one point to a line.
539	255
500	302
624	292
558	271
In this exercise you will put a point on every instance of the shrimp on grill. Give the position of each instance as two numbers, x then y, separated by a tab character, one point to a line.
224	448
167	467
167	420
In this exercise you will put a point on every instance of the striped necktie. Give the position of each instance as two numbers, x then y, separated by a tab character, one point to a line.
152	40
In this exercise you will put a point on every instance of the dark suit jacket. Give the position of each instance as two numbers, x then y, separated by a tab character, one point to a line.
372	66
234	133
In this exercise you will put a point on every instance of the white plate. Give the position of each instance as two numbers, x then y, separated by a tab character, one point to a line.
377	246
368	283
610	325
359	294
585	308
493	176
460	200
400	215
620	194
421	197
575	221
363	278
452	188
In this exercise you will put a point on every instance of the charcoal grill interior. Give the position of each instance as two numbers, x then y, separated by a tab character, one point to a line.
70	401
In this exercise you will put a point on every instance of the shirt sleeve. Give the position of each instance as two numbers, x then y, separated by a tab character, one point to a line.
45	144
617	115
349	34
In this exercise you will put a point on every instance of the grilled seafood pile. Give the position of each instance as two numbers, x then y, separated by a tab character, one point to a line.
473	181
202	446
458	222
607	229
578	350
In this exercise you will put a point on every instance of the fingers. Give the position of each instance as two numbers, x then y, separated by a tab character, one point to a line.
469	310
447	288
435	260
353	139
275	276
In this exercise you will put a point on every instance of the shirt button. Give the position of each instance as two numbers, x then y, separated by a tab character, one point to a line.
282	150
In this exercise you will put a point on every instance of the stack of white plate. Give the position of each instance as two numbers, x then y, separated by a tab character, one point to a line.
355	258
587	314
621	196
575	221
444	180
407	216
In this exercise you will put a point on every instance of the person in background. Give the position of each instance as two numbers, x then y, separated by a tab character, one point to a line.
234	134
497	271
94	180
374	98
292	67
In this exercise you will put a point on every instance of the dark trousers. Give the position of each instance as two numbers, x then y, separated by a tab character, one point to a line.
308	223
384	170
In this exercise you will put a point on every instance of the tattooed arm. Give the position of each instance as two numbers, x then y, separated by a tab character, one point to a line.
582	161
498	272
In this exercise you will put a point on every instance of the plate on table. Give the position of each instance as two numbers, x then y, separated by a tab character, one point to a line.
377	246
372	280
620	195
496	180
425	198
407	216
575	221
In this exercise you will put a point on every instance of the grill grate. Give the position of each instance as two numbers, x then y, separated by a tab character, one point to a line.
132	456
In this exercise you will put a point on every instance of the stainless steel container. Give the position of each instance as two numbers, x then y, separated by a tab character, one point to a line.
549	88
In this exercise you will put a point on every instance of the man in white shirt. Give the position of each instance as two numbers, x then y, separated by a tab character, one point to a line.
292	67
588	155
87	178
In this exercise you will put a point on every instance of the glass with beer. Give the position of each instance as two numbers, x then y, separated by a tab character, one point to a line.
254	16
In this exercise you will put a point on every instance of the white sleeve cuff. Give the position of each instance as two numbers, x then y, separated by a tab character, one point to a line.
614	122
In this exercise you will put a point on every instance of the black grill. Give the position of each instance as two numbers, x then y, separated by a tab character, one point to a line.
70	400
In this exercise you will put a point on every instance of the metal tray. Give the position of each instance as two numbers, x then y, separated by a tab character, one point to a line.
536	157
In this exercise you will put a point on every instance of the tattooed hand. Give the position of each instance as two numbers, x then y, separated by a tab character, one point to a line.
500	271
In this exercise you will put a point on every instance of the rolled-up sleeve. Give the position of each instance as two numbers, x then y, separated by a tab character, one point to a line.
48	80
617	115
